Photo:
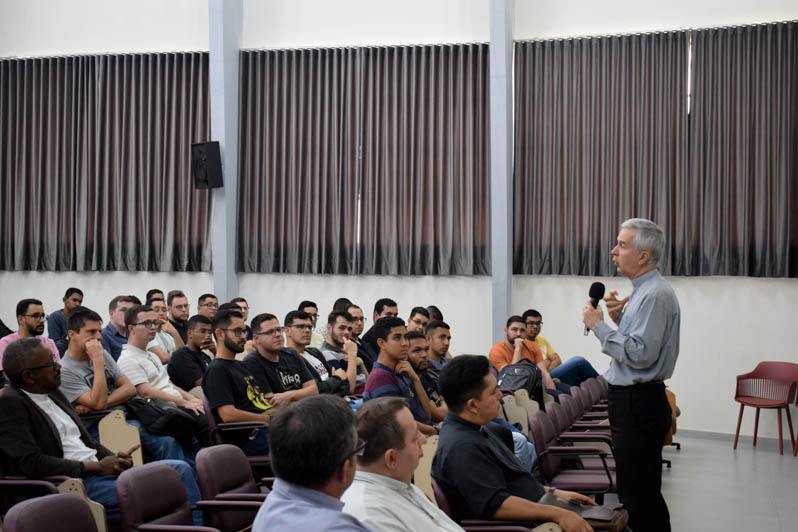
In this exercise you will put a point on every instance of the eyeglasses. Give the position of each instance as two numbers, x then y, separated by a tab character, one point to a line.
51	365
181	307
359	449
210	305
150	324
238	331
243	307
37	316
270	332
418	322
359	320
300	327
534	323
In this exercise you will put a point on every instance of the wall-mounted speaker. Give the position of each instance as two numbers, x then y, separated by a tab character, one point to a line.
206	165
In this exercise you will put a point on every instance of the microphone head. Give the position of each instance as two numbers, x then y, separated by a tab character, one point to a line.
596	291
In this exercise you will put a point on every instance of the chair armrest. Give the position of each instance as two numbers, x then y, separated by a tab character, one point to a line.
95	414
228	505
48	487
242	425
575	451
586	436
267	481
176	528
589	425
595	415
241	497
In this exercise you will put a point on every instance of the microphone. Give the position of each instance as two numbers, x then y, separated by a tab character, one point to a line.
595	294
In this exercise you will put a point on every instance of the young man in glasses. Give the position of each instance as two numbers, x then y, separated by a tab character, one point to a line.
188	364
297	339
574	372
146	372
177	303
167	339
419	319
282	371
31	319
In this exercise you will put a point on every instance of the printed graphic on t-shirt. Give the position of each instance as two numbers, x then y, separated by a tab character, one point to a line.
290	381
256	397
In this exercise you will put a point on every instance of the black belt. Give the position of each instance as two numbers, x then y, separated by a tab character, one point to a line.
638	386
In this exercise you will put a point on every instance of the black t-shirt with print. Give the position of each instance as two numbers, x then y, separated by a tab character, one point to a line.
289	373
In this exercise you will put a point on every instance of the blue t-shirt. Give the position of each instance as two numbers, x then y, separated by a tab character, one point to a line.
113	341
384	382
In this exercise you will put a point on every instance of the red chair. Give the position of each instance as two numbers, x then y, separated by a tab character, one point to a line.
259	464
770	385
62	512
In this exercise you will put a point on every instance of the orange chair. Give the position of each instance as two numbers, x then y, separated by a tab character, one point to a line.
770	385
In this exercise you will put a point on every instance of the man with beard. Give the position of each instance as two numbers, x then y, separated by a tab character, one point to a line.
358	325
418	356
329	380
282	371
178	312
341	352
231	389
31	319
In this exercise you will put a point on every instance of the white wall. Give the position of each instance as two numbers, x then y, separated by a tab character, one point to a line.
728	324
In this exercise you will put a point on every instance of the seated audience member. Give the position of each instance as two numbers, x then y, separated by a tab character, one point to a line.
115	333
316	339
91	380
381	496
40	434
189	363
475	467
393	376
283	371
145	371
341	353
297	338
383	308
177	303
435	313
418	356
167	339
314	450
57	321
342	303
439	338
574	372
418	320
30	321
515	348
231	390
243	307
207	305
154	294
358	325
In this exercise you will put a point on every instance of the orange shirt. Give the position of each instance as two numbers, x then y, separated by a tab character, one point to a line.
501	354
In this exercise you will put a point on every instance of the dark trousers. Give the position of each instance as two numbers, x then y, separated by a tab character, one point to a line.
640	417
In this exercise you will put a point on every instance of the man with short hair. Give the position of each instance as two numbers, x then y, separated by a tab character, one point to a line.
418	356
30	320
178	306
284	372
316	339
230	388
207	305
153	294
243	306
394	376
57	324
91	380
41	436
384	308
341	352
358	325
297	337
381	496
439	337
189	363
146	372
314	449
514	348
643	350
475	467
574	372
418	320
167	339
115	333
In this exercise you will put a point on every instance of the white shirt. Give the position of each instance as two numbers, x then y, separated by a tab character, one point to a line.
74	448
386	504
163	340
142	366
317	365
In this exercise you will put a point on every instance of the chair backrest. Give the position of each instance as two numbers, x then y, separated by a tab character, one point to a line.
581	398
558	417
776	381
421	476
61	512
152	494
210	415
116	435
543	436
524	401
568	405
515	414
224	469
443	501
593	389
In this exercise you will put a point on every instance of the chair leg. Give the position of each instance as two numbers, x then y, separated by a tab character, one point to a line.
739	420
781	439
789	424
756	425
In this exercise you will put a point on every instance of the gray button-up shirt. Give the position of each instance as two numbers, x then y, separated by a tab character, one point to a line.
646	344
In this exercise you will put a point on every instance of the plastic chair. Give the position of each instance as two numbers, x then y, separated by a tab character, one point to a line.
224	474
770	385
62	512
116	435
515	414
421	476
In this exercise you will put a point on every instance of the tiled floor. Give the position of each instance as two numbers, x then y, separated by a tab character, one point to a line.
712	487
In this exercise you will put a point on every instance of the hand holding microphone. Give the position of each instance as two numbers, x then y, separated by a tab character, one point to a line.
592	314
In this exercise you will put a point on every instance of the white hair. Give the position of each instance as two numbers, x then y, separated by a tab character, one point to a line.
650	237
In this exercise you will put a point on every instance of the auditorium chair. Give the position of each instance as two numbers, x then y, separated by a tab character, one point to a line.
218	428
770	385
565	436
514	414
421	476
58	512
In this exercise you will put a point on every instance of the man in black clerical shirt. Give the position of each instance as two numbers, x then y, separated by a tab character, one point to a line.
188	364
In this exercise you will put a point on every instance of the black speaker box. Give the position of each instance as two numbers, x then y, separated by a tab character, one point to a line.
206	165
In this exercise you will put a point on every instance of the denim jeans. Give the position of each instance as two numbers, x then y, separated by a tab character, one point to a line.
257	446
574	371
523	448
103	490
160	447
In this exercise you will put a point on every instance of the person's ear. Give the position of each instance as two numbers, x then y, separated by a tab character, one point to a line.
390	458
380	343
645	257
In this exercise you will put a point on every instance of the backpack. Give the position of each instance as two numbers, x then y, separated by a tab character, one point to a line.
523	376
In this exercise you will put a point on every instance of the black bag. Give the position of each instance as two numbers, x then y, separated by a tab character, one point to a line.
163	419
523	375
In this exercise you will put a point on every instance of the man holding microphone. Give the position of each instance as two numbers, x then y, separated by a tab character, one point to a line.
643	349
